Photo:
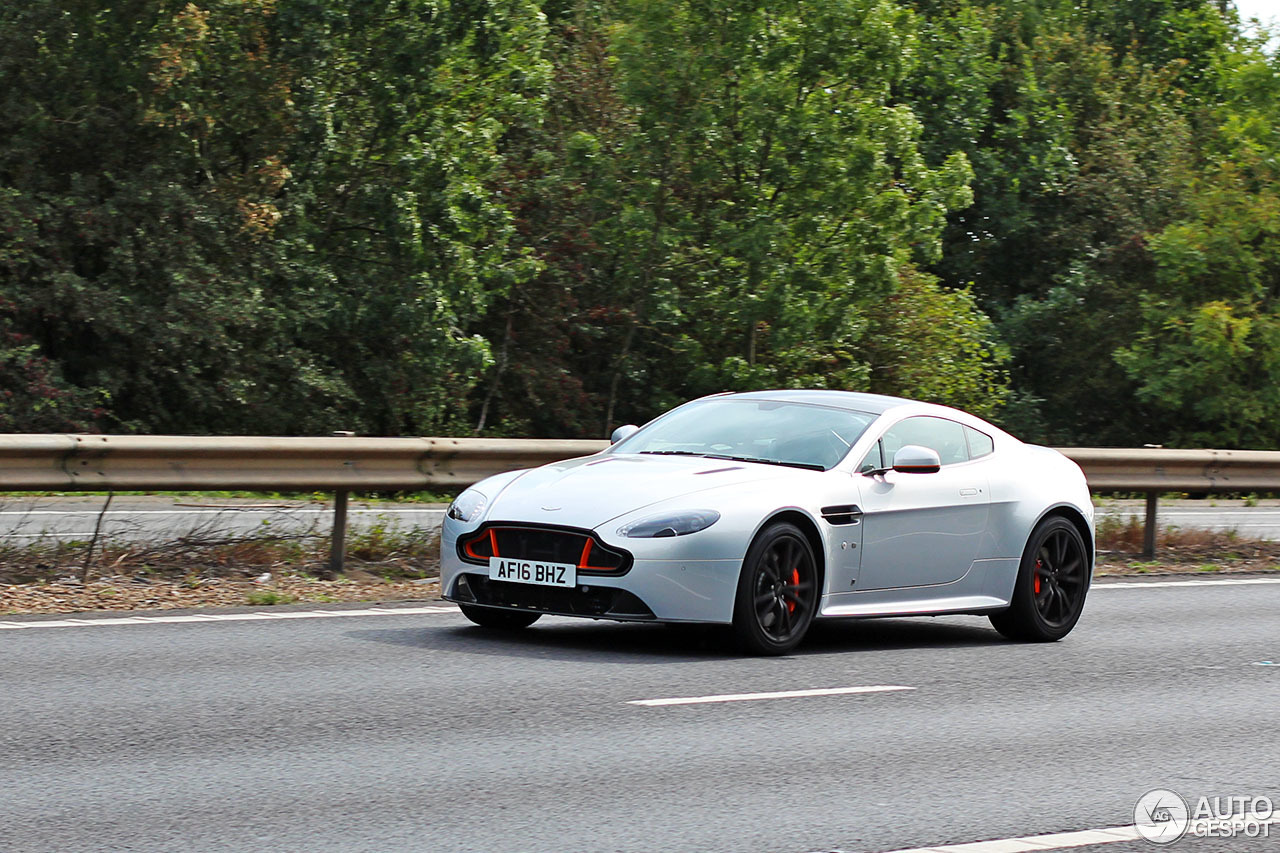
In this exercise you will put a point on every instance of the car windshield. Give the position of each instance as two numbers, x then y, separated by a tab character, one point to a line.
768	431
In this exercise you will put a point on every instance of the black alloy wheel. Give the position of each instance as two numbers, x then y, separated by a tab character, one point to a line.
777	591
494	617
1053	579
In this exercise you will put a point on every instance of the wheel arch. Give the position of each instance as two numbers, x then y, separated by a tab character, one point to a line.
810	530
1077	519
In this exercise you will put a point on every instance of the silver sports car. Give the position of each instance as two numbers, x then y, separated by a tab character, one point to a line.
770	509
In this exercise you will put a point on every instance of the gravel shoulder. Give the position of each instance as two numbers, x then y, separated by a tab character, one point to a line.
115	594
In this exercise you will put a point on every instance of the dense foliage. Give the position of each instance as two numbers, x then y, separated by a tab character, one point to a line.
548	218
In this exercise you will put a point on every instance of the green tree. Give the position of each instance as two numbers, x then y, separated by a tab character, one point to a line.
238	216
1206	360
739	195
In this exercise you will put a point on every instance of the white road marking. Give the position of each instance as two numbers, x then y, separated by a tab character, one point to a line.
225	617
1028	843
1159	584
1195	513
749	697
1052	841
407	611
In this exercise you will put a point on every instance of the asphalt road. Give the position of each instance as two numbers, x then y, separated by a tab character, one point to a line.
151	518
1261	521
417	732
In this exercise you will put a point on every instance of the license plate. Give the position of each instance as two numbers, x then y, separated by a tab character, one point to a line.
532	571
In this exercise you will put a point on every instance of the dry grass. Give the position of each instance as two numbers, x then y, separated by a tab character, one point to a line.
1126	536
386	553
212	571
1181	550
123	593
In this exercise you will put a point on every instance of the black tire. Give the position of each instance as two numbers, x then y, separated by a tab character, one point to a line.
493	617
777	591
1053	580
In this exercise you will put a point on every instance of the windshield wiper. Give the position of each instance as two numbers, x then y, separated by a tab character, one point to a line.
807	465
812	466
673	453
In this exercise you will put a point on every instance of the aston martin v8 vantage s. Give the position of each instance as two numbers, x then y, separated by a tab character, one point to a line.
770	509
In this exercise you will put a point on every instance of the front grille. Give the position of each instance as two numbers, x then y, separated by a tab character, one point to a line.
544	544
532	543
579	601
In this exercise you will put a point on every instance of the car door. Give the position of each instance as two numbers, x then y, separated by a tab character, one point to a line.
923	529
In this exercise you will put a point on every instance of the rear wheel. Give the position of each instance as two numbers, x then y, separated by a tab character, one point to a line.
1052	581
492	617
777	591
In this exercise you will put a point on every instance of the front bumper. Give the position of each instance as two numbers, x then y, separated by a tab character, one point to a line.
662	590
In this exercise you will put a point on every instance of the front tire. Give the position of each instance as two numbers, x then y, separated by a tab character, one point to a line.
777	591
1053	579
492	617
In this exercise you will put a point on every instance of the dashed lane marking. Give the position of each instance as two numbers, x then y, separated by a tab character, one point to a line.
750	697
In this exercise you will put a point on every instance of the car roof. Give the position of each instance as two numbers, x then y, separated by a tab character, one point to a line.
874	404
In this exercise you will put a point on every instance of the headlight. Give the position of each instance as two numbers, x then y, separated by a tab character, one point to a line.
670	524
467	506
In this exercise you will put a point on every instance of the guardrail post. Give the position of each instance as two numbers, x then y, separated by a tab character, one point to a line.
338	538
338	543
1149	528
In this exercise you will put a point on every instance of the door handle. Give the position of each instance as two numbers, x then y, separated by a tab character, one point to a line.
968	493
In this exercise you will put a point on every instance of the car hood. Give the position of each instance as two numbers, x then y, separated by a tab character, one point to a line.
593	490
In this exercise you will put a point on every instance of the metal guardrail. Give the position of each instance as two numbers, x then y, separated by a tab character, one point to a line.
117	463
1114	469
176	463
1155	470
112	463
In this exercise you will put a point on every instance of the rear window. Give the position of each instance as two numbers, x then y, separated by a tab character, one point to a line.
980	444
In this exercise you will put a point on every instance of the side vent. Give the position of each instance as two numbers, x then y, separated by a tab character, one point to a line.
844	514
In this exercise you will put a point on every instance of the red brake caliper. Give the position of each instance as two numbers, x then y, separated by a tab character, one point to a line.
1038	565
795	581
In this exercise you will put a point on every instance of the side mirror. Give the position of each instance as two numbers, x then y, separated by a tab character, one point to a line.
914	459
622	432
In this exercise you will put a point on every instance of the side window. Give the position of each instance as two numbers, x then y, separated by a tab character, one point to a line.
980	444
945	437
874	460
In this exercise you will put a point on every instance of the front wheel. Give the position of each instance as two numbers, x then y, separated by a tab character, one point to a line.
1053	578
777	591
492	617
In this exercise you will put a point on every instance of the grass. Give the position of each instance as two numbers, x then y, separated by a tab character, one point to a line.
268	597
192	560
1126	535
1180	550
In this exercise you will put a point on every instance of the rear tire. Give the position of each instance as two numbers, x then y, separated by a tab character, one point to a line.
1053	579
777	591
492	617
